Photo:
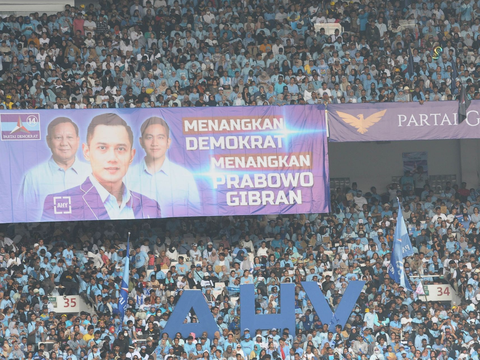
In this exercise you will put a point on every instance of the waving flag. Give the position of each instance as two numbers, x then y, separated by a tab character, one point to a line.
396	270
453	84
410	65
463	104
123	298
420	290
401	234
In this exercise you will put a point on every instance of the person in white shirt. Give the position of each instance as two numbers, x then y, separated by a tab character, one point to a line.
41	57
438	214
90	41
382	27
157	177
195	253
263	250
248	243
359	199
62	171
44	40
132	352
89	25
208	17
129	316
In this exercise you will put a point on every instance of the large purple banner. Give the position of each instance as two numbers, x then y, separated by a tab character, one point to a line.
402	121
66	165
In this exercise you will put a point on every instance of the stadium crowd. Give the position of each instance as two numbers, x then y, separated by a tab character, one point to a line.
153	53
171	255
208	53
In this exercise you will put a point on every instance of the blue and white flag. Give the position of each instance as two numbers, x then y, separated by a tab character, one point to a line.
123	298
396	270
401	234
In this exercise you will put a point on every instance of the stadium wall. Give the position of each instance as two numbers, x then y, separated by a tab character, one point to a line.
470	162
375	163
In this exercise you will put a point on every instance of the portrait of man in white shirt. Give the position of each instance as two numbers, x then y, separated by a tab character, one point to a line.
62	171
158	178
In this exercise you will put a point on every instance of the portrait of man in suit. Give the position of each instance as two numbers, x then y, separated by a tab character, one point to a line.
103	195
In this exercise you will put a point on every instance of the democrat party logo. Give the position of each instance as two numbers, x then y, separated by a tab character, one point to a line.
359	122
20	126
62	205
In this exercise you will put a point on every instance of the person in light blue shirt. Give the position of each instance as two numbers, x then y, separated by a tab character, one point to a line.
35	328
292	87
247	344
95	353
94	289
62	171
189	346
68	255
181	267
141	258
57	269
160	275
157	177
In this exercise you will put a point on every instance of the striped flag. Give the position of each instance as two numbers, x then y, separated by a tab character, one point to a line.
419	290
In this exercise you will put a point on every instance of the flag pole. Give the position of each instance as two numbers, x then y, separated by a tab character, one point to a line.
123	298
423	288
424	293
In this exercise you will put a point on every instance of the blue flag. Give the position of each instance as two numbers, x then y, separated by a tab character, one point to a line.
123	298
453	84
396	270
410	66
401	234
463	104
